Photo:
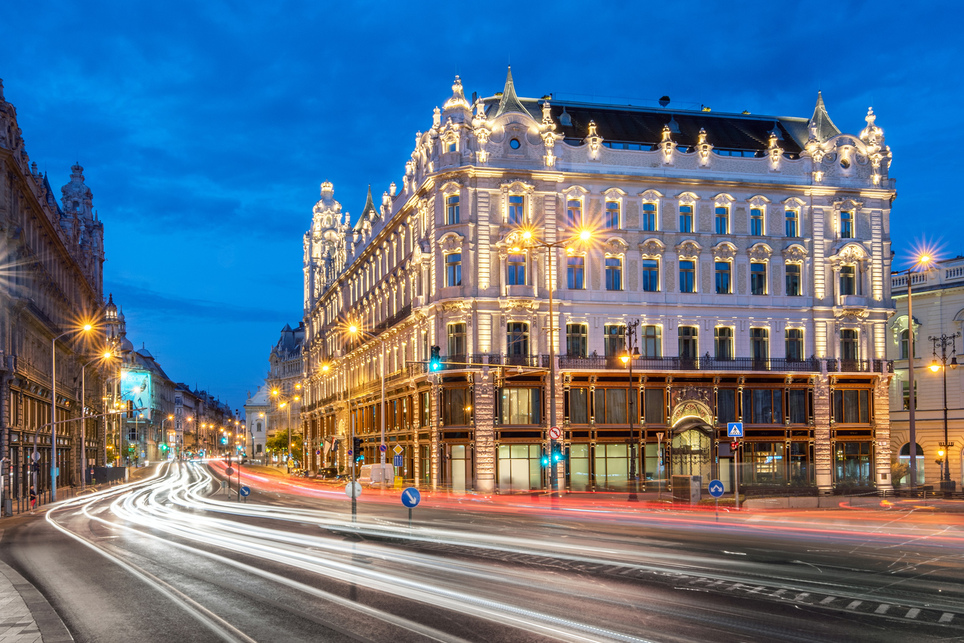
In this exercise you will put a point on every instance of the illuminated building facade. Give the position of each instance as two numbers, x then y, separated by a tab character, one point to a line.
754	252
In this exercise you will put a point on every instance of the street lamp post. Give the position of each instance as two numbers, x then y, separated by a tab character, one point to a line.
947	485
529	240
53	408
83	417
352	331
632	352
922	262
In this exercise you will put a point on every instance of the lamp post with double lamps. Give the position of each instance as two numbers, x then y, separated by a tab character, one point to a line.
526	238
922	263
940	363
53	406
631	353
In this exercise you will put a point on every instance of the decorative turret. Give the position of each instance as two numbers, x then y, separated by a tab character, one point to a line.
509	101
325	245
457	108
821	127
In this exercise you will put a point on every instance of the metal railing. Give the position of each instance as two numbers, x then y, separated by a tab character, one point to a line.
809	365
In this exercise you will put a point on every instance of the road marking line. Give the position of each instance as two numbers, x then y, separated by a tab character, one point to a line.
912	613
882	608
778	592
828	600
801	596
853	605
945	617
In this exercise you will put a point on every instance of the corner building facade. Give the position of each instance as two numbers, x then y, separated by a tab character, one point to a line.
753	251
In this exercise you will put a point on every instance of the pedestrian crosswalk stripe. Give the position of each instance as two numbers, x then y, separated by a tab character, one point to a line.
853	605
912	612
829	599
882	608
946	617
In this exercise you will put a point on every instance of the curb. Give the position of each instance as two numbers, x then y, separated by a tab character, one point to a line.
51	626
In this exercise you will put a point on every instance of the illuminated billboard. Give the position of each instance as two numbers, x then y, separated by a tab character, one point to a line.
136	386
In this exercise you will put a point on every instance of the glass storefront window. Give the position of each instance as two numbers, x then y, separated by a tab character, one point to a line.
520	468
578	406
612	467
655	413
520	406
579	467
904	458
851	406
852	464
764	463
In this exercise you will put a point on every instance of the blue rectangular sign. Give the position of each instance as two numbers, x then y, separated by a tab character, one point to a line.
398	461
734	429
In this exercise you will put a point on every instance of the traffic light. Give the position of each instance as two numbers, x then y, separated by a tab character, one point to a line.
163	446
130	409
557	454
435	363
735	445
224	439
356	449
545	458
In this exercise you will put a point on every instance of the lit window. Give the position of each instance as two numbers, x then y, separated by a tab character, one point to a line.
848	280
759	343
516	270
756	222
849	349
723	278
574	213
686	218
612	215
456	340
517	336
793	223
615	339
577	340
576	273
722	221
794	340
649	217
793	280
614	273
846	225
650	341
723	342
453	269
516	209
452	210
687	276
758	279
650	275
687	342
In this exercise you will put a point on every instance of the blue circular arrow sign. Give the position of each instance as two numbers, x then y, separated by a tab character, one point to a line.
411	497
245	491
716	488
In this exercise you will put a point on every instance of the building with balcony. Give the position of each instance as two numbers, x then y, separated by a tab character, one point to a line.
938	311
753	252
284	384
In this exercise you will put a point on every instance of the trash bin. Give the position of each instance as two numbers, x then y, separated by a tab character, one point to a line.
686	489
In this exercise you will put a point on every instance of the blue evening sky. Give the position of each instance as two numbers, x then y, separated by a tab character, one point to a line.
205	128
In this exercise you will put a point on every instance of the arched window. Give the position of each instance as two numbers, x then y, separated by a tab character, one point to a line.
905	346
904	458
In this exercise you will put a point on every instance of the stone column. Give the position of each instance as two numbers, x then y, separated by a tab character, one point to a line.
486	460
823	448
881	421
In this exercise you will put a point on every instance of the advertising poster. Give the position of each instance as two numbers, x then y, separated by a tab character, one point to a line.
136	386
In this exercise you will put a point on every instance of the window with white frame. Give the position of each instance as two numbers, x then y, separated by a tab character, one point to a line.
612	219
614	273
846	224
517	210
453	269
849	345
758	278
687	275
793	276
848	280
723	342
722	220
760	343
574	213
651	341
452	209
614	339
576	272
649	217
516	270
724	277
794	344
456	339
686	218
756	222
650	275
793	223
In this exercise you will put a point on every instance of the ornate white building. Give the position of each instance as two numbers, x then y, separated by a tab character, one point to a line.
753	251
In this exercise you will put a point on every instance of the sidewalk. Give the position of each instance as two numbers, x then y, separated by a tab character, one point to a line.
25	615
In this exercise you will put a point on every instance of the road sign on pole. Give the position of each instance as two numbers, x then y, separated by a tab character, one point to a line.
245	491
411	497
734	429
353	489
716	488
383	448
398	450
398	461
554	433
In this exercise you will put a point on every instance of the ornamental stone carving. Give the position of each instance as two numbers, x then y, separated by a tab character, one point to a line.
688	249
794	253
450	242
521	305
724	251
615	246
759	252
652	248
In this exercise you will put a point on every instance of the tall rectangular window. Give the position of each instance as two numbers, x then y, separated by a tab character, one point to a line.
723	280
687	276
614	273
848	280
688	348
452	209
574	213
649	217
849	348
651	341
517	208
456	406
615	339
655	409
650	275
758	279
793	279
759	344
577	340
576	273
517	338
516	270
453	269
612	215
520	406
846	225
723	342
722	221
456	340
851	406
686	218
794	340
793	223
756	222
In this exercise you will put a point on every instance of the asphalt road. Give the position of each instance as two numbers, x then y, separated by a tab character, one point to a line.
175	558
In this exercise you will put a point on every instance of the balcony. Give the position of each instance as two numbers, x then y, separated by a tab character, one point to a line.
705	363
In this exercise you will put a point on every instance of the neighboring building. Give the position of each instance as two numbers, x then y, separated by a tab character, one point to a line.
938	311
150	435
753	250
257	410
284	382
51	283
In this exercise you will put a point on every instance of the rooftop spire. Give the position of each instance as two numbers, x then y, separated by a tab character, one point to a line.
369	204
821	127
509	102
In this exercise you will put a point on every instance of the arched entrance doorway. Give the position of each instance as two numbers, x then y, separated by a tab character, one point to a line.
691	440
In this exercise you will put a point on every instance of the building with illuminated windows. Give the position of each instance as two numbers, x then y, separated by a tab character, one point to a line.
753	251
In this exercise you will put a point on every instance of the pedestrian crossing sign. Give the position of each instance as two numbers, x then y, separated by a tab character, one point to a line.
734	429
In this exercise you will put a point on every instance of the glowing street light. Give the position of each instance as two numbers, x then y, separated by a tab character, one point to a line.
53	407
